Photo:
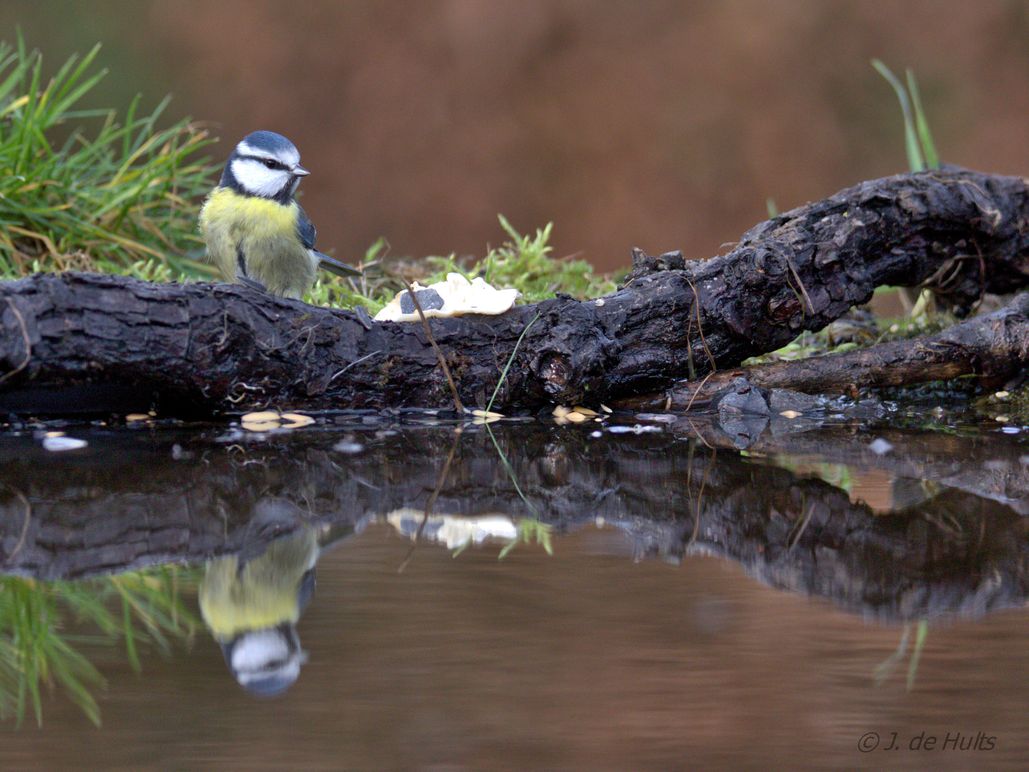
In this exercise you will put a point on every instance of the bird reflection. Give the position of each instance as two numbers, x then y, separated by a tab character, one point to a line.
252	606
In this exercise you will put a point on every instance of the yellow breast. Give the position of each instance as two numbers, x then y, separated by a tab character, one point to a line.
266	233
231	605
249	216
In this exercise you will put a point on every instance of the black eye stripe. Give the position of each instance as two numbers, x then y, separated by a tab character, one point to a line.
271	163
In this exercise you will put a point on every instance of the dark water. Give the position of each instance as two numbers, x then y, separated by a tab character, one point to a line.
648	597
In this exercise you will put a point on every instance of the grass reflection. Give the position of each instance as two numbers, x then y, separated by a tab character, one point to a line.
44	624
886	668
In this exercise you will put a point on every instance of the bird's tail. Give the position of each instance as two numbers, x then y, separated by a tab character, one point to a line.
334	265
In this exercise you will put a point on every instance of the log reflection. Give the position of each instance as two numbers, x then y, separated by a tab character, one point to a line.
133	500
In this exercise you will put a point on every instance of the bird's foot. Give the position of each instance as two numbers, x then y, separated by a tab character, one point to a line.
252	283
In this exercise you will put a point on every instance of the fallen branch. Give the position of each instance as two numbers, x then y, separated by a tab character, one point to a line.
994	346
107	343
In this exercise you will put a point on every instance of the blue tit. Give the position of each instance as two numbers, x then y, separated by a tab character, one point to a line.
256	232
252	609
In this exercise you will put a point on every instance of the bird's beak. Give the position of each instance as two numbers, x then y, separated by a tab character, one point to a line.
300	171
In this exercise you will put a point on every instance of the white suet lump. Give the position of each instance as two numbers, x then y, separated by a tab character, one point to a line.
453	297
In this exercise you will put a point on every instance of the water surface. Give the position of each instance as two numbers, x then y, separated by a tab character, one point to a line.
536	596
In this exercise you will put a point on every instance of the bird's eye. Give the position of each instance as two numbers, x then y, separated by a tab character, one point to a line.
271	164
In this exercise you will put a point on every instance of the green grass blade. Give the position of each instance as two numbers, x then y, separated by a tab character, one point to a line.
916	654
510	359
916	162
101	195
130	636
925	137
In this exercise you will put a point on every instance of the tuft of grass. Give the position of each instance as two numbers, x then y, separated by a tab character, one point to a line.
372	290
918	140
530	531
523	262
925	137
91	189
37	651
94	189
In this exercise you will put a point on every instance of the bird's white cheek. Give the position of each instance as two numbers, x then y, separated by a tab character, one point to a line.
258	179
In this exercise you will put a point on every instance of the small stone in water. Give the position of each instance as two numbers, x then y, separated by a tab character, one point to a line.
880	447
635	429
575	417
132	417
56	444
349	447
1002	394
1002	419
791	414
658	418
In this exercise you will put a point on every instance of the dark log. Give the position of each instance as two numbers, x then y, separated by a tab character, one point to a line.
979	465
96	511
994	346
103	342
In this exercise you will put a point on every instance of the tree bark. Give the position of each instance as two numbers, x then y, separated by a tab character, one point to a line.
995	346
79	341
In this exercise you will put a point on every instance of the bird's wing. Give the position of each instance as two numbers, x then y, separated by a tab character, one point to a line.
306	231
307	234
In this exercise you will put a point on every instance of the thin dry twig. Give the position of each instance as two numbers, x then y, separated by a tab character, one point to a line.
340	372
25	339
700	499
440	482
803	289
791	542
691	369
697	390
432	341
698	435
24	526
700	325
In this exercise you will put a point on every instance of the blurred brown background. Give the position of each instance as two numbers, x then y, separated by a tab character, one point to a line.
659	124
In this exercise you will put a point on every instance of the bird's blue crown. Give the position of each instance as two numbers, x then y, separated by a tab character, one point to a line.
270	142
